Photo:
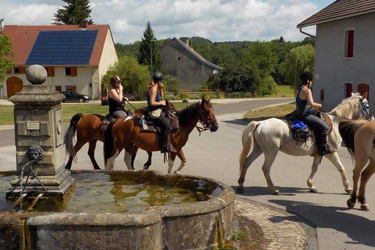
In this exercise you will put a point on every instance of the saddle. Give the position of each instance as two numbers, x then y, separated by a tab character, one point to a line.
303	133
148	125
108	118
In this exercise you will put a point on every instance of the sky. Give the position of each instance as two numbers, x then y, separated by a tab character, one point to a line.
216	20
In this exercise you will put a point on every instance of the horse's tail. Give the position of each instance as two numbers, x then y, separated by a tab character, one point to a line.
69	134
247	142
108	142
347	129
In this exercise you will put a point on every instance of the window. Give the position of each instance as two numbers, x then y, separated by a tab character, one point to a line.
70	88
19	70
58	88
363	89
322	94
71	71
348	90
349	43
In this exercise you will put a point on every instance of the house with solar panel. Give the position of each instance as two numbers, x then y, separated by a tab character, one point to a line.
182	61
344	51
75	57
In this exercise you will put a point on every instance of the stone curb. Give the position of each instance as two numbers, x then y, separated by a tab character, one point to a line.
281	230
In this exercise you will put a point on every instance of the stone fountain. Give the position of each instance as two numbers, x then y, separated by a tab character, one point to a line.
103	210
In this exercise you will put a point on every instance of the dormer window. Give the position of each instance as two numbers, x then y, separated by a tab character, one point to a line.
349	43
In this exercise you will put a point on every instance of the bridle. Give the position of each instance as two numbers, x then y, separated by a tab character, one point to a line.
204	125
364	110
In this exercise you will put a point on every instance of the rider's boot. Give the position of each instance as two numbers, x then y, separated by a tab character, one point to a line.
164	142
323	148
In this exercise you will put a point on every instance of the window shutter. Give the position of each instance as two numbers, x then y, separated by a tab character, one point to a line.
51	71
74	71
350	43
22	70
349	89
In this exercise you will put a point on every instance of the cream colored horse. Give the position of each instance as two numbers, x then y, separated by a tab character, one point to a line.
273	135
359	137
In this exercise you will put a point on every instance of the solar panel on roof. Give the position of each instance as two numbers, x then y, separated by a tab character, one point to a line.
73	47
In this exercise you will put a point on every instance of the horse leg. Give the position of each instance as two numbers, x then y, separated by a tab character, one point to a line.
249	160
314	169
172	157
110	160
148	162
129	156
359	165
334	158
269	158
180	155
91	153
365	176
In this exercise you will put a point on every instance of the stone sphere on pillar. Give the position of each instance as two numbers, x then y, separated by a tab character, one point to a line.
36	74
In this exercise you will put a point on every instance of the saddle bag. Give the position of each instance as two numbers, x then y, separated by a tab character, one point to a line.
300	131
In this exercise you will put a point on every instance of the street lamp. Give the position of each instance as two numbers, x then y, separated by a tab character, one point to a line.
153	40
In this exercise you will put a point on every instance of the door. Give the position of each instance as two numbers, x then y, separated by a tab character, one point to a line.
363	88
14	85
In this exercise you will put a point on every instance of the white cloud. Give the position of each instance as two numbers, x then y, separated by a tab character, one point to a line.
217	20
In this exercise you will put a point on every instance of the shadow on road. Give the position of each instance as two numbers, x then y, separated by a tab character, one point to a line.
237	122
357	228
256	191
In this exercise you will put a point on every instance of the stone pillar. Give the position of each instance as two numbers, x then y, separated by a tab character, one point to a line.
38	121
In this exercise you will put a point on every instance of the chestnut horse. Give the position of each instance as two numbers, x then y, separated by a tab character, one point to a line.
125	131
359	139
88	128
271	136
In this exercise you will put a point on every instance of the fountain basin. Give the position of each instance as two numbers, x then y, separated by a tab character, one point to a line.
180	223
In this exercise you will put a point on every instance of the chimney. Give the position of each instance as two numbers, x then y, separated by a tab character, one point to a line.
2	24
185	40
84	25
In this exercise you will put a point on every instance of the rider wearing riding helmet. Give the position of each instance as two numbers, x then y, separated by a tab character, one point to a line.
116	98
305	107
156	108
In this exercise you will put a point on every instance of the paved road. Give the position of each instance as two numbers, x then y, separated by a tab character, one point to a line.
215	155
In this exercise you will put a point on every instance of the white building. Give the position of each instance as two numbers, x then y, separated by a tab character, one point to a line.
76	57
344	51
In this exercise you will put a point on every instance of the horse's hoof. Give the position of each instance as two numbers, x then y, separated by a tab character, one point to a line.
349	190
350	204
365	207
277	192
240	190
145	167
176	172
313	190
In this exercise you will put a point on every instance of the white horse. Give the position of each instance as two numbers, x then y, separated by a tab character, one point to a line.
273	135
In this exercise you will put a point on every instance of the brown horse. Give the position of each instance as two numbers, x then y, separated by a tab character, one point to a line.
88	128
359	138
125	131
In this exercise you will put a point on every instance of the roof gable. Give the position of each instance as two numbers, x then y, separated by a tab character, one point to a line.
192	52
24	37
63	47
340	9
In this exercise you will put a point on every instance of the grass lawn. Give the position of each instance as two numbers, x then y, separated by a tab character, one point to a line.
265	113
6	111
284	91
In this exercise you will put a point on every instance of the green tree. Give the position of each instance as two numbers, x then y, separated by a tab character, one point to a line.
6	55
148	52
299	59
134	77
236	79
260	55
75	12
171	83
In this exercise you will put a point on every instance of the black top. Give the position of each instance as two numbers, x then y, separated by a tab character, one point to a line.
157	98
115	105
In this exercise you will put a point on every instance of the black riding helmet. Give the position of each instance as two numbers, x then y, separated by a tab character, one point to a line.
306	76
157	77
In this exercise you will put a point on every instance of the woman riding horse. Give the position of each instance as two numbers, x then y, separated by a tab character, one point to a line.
116	98
156	109
305	107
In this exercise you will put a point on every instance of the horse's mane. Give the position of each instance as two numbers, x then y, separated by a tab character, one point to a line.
185	114
347	129
344	109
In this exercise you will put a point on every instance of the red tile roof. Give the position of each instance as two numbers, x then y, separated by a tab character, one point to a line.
340	9
23	39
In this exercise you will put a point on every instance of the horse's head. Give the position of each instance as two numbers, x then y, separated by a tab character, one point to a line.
207	115
363	107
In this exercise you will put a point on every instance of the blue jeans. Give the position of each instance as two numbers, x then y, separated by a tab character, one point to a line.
315	123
